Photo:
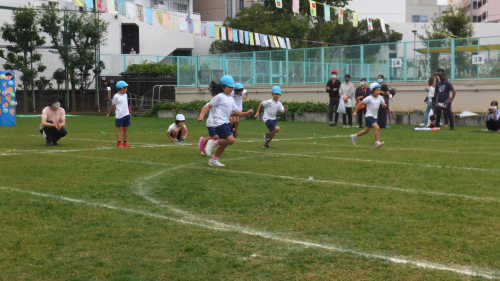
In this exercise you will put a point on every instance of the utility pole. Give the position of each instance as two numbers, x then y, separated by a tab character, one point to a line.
66	41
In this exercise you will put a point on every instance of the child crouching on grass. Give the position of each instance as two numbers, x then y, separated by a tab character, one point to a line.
372	103
178	130
221	108
271	108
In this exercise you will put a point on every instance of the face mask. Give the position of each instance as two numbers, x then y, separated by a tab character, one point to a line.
494	107
334	76
57	105
380	80
362	83
347	79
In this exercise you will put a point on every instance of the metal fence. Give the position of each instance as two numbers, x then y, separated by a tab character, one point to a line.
462	59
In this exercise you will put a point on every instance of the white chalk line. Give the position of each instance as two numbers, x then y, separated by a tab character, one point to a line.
486	273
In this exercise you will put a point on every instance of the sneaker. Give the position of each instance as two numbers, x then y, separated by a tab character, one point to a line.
125	144
379	144
48	144
353	139
348	126
215	163
203	153
267	145
210	147
335	124
54	143
422	124
202	143
331	124
234	134
182	141
120	144
344	126
267	136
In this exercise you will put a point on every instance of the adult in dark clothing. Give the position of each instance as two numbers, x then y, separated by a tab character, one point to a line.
382	112
444	101
332	88
434	108
361	93
493	117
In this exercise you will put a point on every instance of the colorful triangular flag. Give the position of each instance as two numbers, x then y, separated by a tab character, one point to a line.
230	34
313	8
242	38
271	41
247	39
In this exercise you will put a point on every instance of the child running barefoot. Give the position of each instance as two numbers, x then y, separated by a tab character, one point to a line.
271	107
372	103
178	130
239	94
221	107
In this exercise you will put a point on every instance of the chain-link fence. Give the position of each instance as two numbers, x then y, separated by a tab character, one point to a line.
461	58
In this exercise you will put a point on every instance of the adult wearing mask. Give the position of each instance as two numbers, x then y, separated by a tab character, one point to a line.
361	93
332	88
347	94
444	101
53	121
493	117
382	112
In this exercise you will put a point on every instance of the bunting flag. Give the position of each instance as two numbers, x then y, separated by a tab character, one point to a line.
101	5
235	35
80	3
341	16
149	16
280	42
313	8
166	20
204	29
159	17
288	43
266	40
211	30
247	39
327	12
130	10
230	34
382	23
139	12
110	6
276	43
242	36
271	41
217	31
183	25
190	24
354	20
279	4
257	39
197	27
89	4
251	38
122	8
174	22
263	41
370	22
69	1
223	33
296	6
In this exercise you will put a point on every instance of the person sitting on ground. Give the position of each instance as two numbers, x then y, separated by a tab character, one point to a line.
53	121
493	116
178	130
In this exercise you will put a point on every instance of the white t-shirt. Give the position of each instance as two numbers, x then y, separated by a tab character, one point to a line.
121	105
173	127
372	105
238	99
271	109
432	90
222	108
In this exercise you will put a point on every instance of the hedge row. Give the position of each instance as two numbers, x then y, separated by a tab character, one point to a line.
293	107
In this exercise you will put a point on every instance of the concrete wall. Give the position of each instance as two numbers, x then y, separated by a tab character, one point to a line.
210	10
473	96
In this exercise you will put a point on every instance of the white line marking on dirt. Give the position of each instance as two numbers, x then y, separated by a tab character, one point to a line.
486	273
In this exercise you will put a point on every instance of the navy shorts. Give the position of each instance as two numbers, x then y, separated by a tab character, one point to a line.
271	124
224	131
123	122
370	121
211	131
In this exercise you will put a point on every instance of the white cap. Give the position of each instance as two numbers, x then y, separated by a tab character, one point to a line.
374	85
180	117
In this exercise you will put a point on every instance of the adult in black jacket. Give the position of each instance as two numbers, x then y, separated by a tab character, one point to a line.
332	88
382	112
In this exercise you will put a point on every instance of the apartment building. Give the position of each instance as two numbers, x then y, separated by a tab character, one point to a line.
218	10
482	10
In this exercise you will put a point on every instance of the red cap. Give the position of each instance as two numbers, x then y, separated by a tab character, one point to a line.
335	71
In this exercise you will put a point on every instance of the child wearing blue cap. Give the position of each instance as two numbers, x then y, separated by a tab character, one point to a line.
122	114
239	94
372	103
271	108
221	108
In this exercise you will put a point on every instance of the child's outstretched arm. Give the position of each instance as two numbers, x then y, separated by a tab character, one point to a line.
241	113
258	110
284	111
110	110
204	112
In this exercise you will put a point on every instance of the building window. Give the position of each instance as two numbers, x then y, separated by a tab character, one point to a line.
241	5
180	7
422	18
229	8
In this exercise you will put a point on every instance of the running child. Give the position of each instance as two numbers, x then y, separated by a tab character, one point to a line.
372	103
122	115
271	108
221	107
177	132
239	94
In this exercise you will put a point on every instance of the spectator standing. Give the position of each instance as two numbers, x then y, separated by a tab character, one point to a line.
382	112
444	101
361	93
332	88
347	93
431	92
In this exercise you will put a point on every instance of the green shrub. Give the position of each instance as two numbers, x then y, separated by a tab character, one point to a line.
154	67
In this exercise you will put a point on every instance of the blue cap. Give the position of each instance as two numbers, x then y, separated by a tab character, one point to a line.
276	90
227	80
121	84
238	86
374	86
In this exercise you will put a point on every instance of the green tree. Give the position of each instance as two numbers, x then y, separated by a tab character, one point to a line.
59	75
41	84
21	54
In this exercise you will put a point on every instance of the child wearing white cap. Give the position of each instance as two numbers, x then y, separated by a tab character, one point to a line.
178	130
372	103
239	94
271	108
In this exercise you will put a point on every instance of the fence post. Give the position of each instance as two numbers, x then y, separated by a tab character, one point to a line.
225	65
178	73
452	59
304	73
478	52
322	63
362	60
405	71
286	71
124	63
196	71
254	68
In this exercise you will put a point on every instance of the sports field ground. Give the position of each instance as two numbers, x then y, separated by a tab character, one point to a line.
426	206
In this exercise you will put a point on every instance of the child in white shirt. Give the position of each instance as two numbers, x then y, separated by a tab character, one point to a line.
122	113
372	103
177	132
239	94
272	107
